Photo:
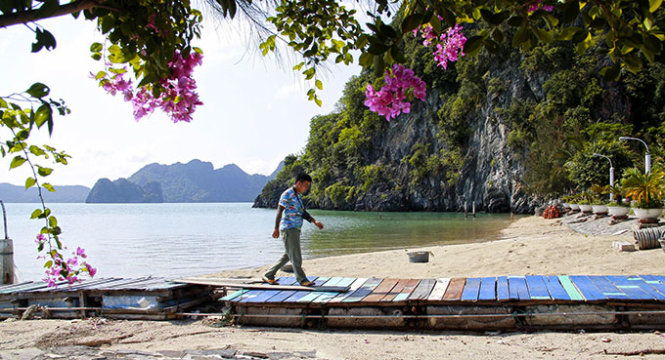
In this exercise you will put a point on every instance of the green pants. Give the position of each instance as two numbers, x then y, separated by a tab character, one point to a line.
291	239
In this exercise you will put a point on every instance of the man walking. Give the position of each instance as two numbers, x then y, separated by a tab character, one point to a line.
293	210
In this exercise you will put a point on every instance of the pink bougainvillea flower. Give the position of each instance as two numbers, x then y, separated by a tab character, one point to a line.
450	47
392	99
539	5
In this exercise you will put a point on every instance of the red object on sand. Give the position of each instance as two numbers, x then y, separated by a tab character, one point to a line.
552	212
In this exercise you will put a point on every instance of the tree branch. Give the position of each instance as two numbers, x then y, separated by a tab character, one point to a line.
23	17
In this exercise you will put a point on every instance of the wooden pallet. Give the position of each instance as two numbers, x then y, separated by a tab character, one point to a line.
483	303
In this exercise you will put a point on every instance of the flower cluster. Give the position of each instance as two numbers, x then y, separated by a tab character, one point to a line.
539	5
58	269
178	98
448	46
392	99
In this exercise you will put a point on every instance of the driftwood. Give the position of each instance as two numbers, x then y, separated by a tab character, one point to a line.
636	353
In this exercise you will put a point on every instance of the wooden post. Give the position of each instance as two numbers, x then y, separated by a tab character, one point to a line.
7	261
473	209
466	210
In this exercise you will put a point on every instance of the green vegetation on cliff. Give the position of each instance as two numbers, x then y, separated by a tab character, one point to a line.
499	130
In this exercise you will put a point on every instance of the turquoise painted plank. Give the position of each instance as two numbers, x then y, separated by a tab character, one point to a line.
471	289
364	290
518	288
607	288
570	288
306	294
502	291
632	288
345	282
556	290
233	295
537	288
487	289
285	294
587	288
654	283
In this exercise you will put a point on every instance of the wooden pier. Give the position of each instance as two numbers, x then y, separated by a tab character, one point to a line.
149	298
487	303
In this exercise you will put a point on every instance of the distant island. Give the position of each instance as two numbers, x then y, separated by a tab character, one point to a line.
195	181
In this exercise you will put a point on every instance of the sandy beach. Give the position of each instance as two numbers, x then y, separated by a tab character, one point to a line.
530	245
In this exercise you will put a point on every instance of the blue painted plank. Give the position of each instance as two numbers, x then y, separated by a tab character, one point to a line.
556	290
487	289
632	288
281	296
364	290
654	283
607	287
518	288
260	296
233	295
587	288
287	280
502	291
471	289
537	288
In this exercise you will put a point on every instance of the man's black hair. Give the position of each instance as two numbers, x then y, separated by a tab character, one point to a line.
302	177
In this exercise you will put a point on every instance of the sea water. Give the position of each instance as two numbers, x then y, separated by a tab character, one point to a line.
178	239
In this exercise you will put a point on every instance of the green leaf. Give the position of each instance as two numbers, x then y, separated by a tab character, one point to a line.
52	221
570	11
411	22
36	150
610	73
654	5
16	162
96	47
30	182
366	60
396	54
319	84
378	49
38	90
43	39
516	21
44	171
567	33
48	264
473	44
48	187
580	36
43	114
35	214
520	37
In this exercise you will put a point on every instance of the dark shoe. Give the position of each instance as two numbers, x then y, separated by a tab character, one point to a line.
306	283
269	281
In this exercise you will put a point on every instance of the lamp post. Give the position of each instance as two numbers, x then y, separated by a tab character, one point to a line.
647	156
611	174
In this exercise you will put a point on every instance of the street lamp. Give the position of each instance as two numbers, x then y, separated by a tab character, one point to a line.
611	174
647	156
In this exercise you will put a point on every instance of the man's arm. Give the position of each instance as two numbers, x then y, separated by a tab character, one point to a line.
280	210
309	218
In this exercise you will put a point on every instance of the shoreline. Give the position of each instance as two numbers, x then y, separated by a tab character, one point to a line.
529	245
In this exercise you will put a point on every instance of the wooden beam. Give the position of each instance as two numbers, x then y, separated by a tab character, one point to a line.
236	285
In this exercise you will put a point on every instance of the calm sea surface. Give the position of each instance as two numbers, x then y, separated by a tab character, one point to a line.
130	240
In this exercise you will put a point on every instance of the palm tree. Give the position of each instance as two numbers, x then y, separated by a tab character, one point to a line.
647	189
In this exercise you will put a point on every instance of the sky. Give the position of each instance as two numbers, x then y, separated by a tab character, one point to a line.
255	109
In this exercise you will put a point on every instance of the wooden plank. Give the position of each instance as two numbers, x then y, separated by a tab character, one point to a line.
518	289
407	290
325	297
268	286
423	289
234	295
556	290
260	296
380	291
320	282
364	290
439	289
357	283
587	288
537	288
570	288
654	282
487	289
632	289
502	290
607	288
471	289
281	296
401	283
455	289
